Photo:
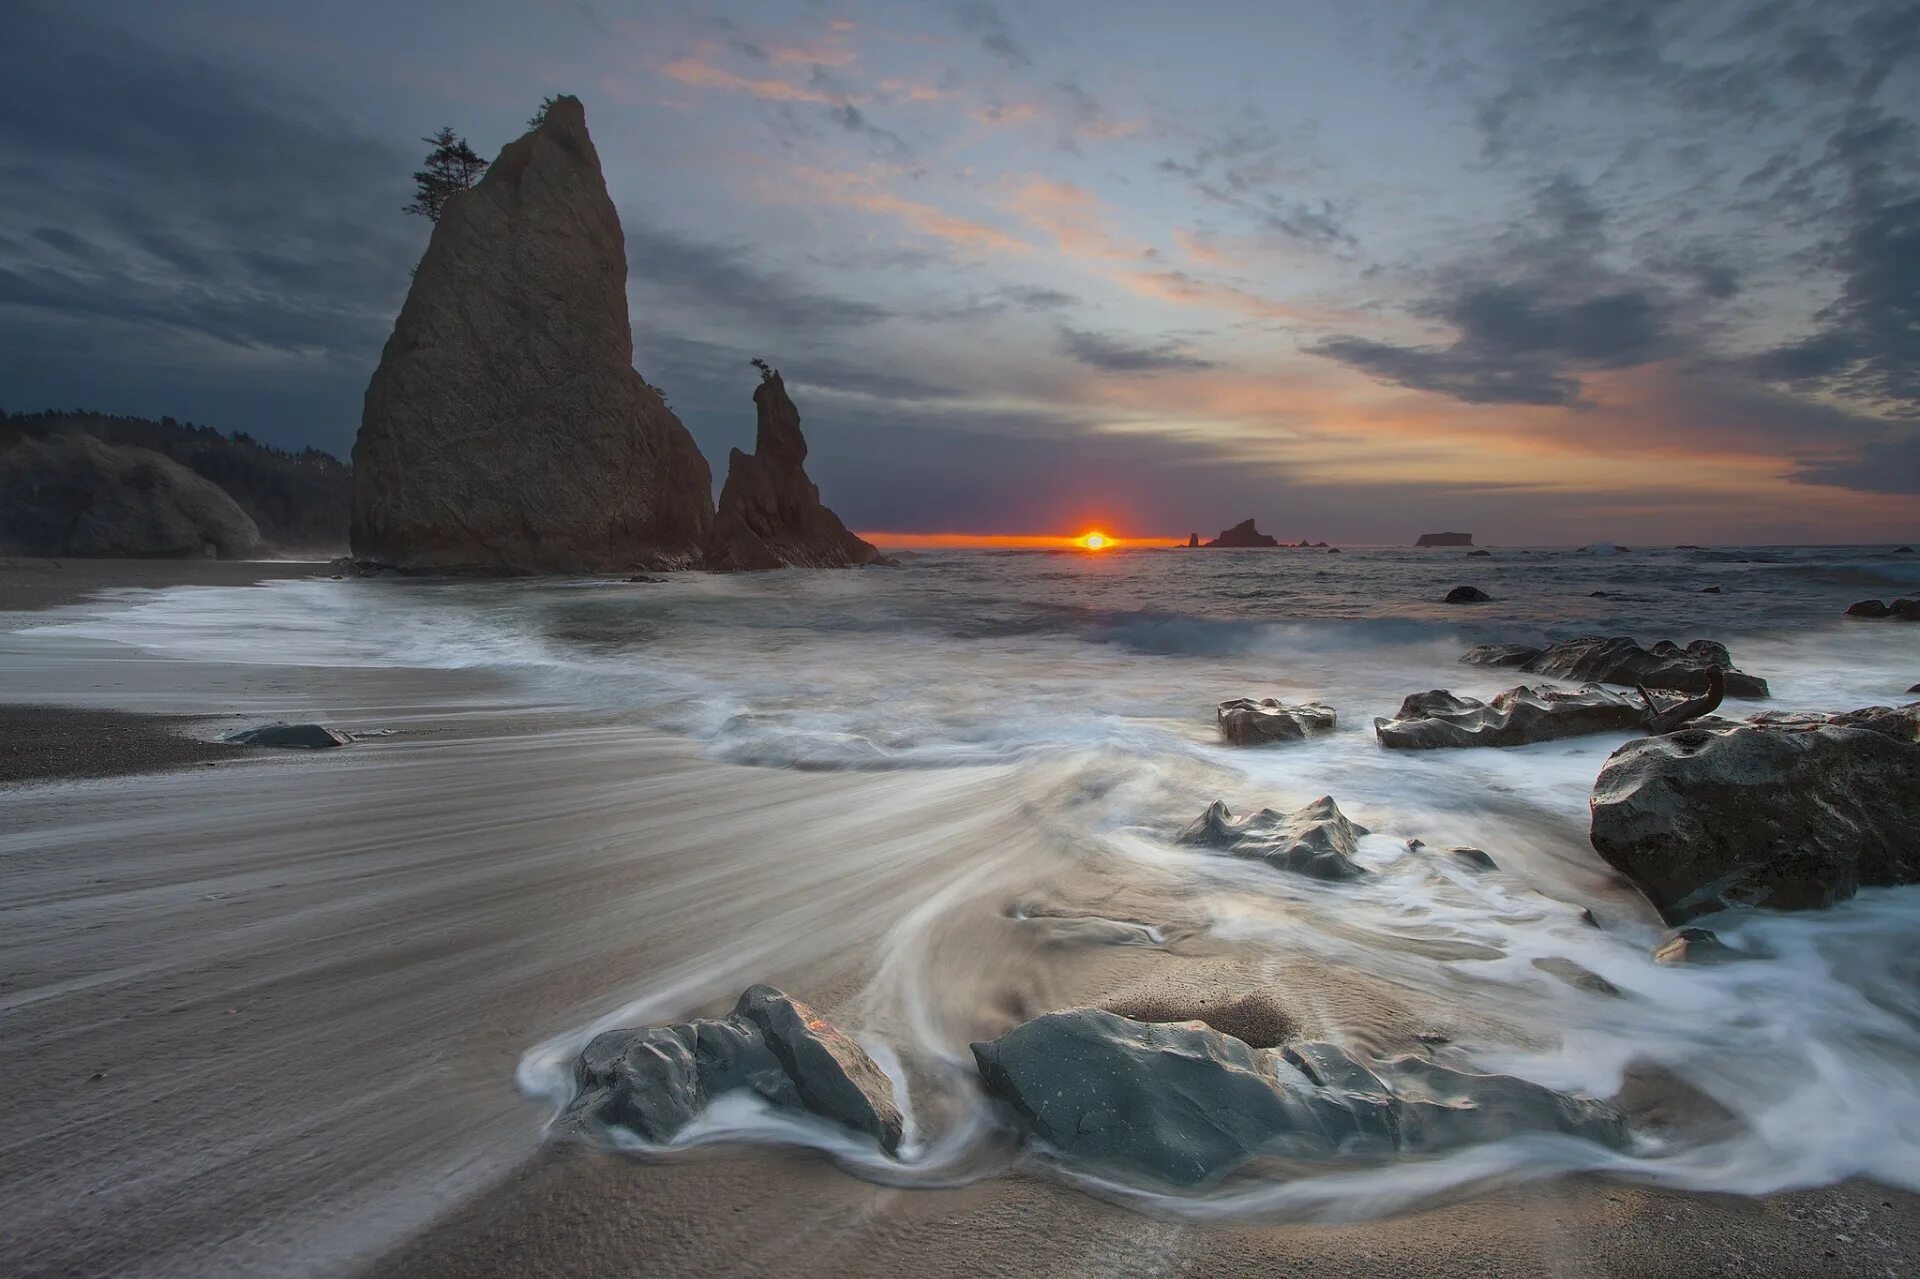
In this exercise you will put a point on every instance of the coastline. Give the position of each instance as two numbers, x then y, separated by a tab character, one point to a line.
307	981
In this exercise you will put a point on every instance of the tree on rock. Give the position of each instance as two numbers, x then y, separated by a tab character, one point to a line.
452	167
539	117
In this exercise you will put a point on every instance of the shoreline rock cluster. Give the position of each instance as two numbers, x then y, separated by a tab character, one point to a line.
1620	660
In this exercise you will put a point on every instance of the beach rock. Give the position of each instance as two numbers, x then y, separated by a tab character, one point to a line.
1499	655
1245	722
1518	717
1467	595
647	579
1666	665
1181	1104
1484	554
656	1080
1473	858
306	737
1784	811
505	430
1904	610
1903	550
1691	946
1333	550
1710	590
71	495
1868	608
1914	688
1317	841
1444	539
1243	534
1578	976
770	513
1602	548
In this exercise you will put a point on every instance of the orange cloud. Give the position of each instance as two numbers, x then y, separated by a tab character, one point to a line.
1074	217
1190	290
704	75
856	191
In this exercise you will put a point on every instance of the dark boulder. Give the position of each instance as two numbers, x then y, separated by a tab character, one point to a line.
1181	1104
1518	717
1666	665
1316	841
1484	554
1710	590
1903	550
1691	946
1499	655
1868	608
1467	595
656	1080
1245	722
1244	535
309	737
770	513
1785	811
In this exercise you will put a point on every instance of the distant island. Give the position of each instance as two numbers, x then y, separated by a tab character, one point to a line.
1445	539
1245	535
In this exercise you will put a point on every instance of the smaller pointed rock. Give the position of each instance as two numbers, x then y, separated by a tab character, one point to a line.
770	513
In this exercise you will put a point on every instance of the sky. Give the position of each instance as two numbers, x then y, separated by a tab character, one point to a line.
1550	271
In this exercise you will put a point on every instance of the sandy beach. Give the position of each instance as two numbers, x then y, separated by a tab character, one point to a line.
265	1017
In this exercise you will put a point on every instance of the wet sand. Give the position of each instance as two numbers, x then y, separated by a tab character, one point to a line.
27	583
264	1018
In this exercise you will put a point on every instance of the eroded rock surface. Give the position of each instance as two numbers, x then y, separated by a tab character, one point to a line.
1622	661
506	430
1181	1103
656	1080
770	513
1520	716
1317	841
1245	722
1785	811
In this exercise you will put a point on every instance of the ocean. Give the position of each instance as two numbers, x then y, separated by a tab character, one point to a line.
1047	717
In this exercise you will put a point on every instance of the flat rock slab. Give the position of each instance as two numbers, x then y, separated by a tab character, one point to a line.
1518	717
1317	841
303	737
1245	722
656	1080
1620	660
1785	811
1181	1103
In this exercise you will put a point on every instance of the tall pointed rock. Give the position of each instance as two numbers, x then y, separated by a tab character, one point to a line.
770	514
506	430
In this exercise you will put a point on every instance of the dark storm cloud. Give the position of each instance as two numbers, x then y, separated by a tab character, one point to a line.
173	200
1117	355
724	281
1532	313
1867	345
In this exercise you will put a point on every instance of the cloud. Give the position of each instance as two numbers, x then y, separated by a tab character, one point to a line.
1883	466
723	281
1076	219
704	75
1866	346
1117	355
985	23
858	191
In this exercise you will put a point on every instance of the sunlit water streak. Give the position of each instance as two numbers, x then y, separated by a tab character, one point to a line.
1093	678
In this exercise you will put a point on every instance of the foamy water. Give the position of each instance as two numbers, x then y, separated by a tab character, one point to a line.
1088	682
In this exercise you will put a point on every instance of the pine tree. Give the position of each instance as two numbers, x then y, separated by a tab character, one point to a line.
452	167
539	117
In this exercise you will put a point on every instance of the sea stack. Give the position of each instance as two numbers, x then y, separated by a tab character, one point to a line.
1445	539
506	430
1242	535
770	514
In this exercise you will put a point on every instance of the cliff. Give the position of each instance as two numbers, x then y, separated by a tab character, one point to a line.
71	495
505	430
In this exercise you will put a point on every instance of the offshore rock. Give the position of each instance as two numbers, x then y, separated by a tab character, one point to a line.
1317	841
1245	722
1621	661
654	1081
1445	539
1785	811
1467	595
1181	1104
506	430
1243	534
72	495
770	514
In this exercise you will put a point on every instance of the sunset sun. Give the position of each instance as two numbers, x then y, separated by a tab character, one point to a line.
1096	541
